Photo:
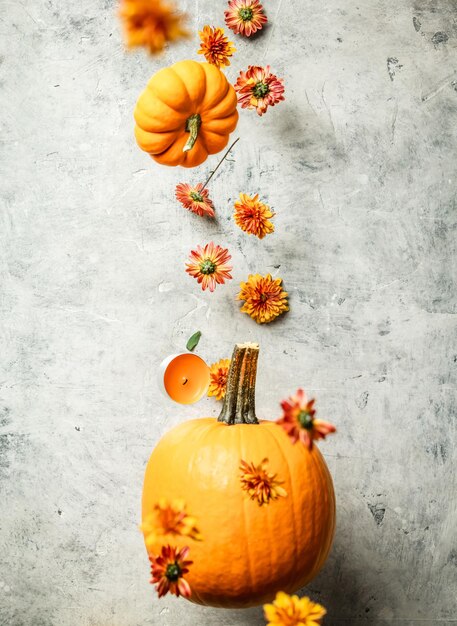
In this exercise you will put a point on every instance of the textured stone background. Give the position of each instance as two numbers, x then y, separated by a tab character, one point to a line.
360	165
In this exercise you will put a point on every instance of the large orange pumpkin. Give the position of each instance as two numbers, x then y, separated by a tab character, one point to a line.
186	112
248	552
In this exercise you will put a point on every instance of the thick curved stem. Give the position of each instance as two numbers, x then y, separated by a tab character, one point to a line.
239	401
193	124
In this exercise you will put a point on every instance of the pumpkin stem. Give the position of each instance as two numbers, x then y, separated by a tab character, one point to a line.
193	124
239	401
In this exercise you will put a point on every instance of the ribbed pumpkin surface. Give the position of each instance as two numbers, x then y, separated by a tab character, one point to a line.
172	96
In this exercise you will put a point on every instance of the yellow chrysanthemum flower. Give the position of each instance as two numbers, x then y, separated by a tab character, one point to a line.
151	23
218	373
264	298
259	483
293	611
169	518
215	46
253	216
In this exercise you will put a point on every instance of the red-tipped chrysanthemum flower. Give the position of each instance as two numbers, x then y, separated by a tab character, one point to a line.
215	46
258	88
252	216
245	17
168	571
298	420
209	265
195	198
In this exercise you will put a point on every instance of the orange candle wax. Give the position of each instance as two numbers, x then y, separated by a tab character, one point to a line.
186	377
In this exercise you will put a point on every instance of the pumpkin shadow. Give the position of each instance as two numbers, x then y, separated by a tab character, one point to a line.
262	33
348	586
230	617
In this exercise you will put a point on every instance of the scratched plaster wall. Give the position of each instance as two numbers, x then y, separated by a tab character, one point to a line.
360	165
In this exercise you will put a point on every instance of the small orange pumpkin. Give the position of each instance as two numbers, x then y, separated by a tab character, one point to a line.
186	112
253	542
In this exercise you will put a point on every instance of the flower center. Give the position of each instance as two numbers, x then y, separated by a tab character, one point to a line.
306	420
261	89
207	267
246	14
263	297
196	197
173	572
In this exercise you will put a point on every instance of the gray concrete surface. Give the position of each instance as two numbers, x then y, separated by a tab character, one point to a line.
360	165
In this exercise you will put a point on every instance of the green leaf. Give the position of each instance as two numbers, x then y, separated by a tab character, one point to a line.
193	341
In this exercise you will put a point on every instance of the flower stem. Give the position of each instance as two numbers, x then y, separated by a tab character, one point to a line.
220	163
239	401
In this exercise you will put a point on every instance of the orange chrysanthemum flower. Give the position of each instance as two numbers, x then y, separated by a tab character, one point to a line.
209	265
252	216
151	23
293	611
169	518
218	373
258	88
168	570
298	420
196	199
245	17
259	484
263	298
215	46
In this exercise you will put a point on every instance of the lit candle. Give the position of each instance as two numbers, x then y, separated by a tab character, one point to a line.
185	377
